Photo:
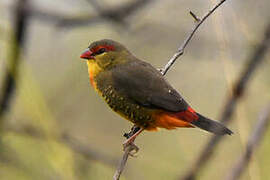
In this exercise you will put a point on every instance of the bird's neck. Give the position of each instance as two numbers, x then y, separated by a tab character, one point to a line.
93	71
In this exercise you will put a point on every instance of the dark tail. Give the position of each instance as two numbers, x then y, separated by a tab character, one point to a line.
211	126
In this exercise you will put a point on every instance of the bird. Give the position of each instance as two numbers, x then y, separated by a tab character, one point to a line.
139	92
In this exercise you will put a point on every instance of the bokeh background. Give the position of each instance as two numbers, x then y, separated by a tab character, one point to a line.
54	113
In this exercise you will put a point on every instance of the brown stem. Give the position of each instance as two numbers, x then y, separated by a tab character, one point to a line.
124	159
116	14
181	49
127	151
17	44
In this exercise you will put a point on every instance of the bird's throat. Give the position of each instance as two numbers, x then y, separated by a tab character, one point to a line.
93	70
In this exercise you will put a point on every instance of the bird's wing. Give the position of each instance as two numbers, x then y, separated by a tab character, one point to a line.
145	85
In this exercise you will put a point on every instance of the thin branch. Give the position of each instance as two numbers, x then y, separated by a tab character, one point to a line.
123	162
181	49
254	140
17	44
241	85
115	14
86	151
163	71
194	16
127	152
60	19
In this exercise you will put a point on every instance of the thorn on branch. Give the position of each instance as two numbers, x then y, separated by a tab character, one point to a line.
194	16
190	35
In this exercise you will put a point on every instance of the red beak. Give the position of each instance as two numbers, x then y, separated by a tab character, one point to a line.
87	54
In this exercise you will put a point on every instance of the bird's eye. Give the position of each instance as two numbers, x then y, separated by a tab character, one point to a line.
100	51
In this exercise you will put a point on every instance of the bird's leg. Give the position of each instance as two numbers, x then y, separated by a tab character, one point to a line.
135	131
132	138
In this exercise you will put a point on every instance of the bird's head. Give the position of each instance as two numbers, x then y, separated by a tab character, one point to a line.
106	54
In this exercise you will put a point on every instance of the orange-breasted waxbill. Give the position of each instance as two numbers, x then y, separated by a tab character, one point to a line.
138	91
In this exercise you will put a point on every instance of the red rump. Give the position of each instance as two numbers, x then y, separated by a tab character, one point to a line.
188	115
171	120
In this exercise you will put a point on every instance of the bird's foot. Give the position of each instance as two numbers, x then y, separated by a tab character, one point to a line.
129	142
129	145
132	137
133	131
132	148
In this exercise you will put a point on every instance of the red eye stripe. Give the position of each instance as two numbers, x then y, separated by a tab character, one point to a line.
107	47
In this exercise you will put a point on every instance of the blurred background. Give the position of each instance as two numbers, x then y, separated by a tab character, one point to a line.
56	127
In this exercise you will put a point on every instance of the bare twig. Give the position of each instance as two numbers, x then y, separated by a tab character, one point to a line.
87	152
122	163
115	14
254	140
181	49
163	71
20	24
102	11
127	152
252	64
194	16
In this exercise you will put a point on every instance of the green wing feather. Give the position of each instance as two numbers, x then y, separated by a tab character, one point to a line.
145	85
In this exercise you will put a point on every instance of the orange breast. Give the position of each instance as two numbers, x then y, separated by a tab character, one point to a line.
91	77
93	70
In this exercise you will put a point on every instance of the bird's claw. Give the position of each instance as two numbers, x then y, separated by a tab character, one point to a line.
133	149
126	144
